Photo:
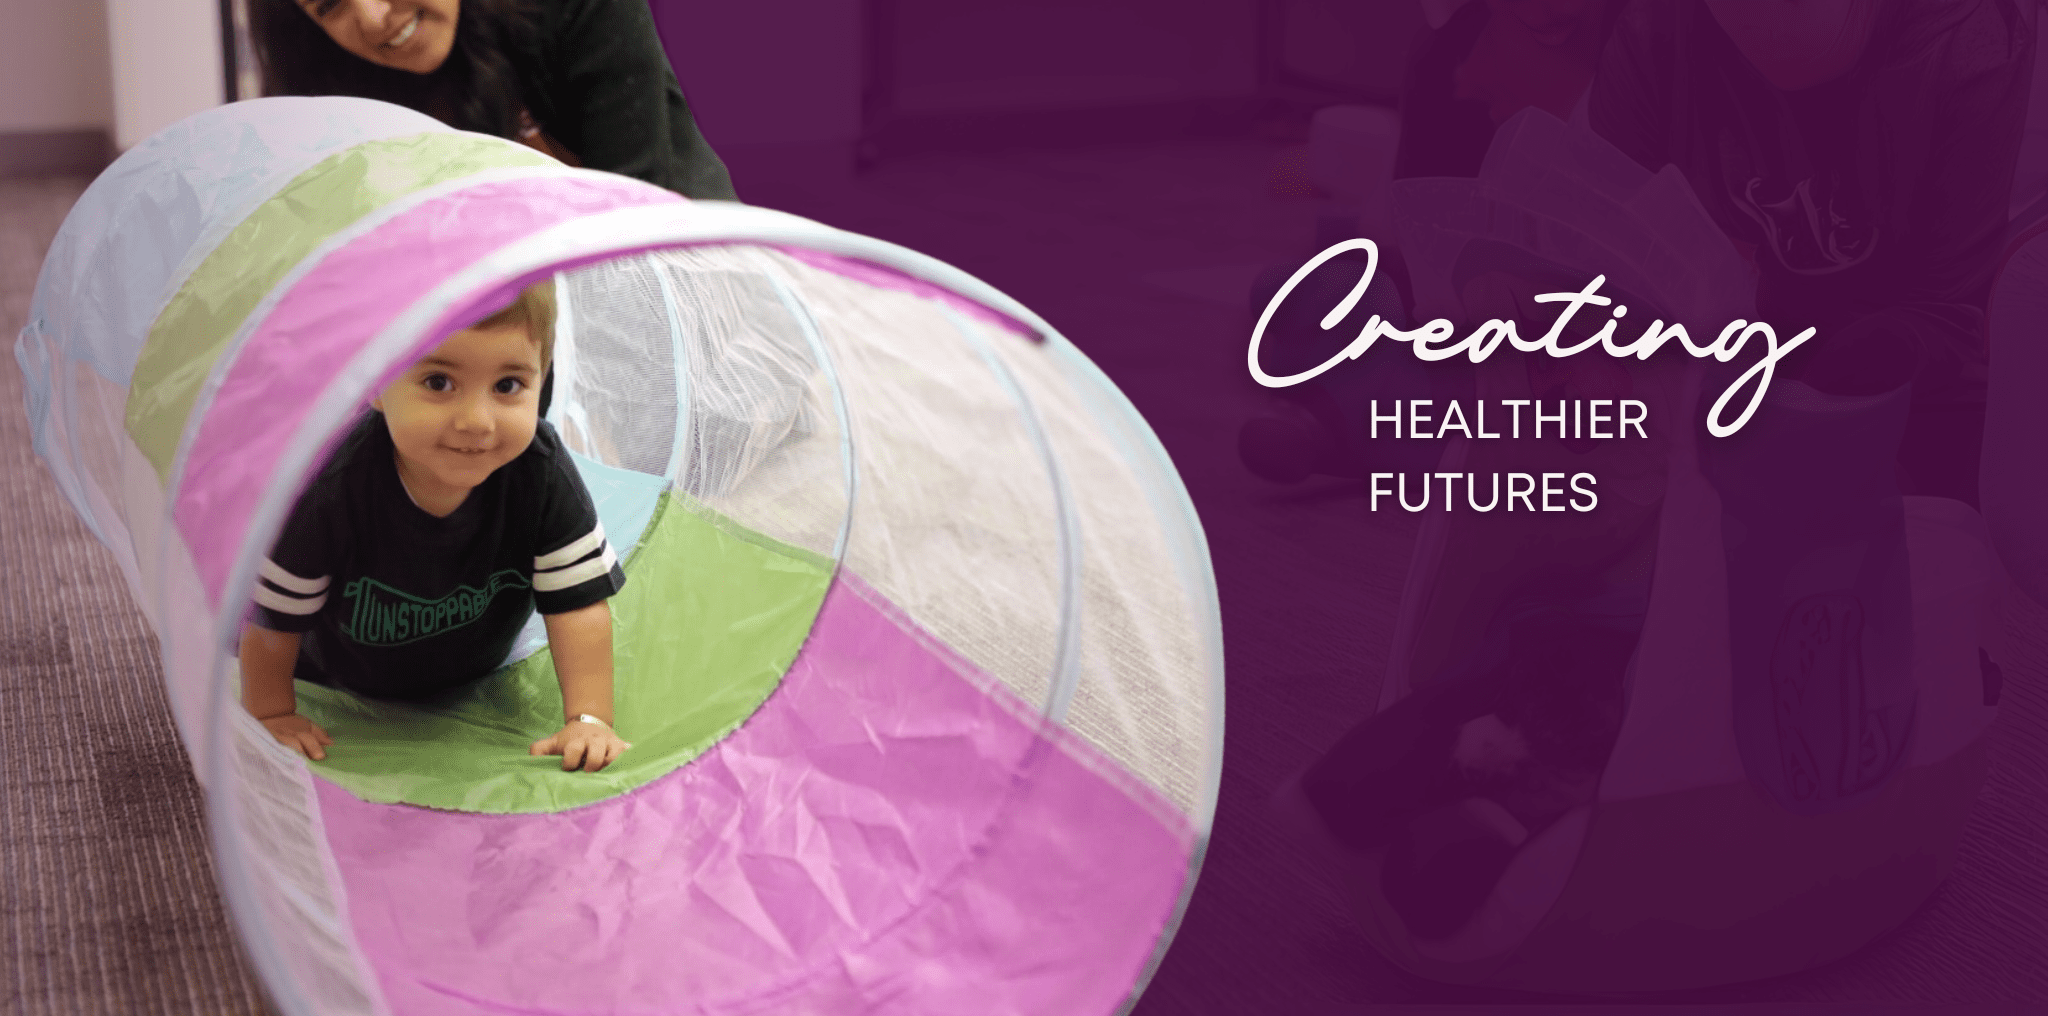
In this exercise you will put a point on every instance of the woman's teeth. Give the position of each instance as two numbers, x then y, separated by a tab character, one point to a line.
405	34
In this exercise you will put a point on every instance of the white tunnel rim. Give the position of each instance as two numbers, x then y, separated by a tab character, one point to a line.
620	233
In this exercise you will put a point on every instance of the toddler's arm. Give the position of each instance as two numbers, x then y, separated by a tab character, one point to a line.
267	661
581	641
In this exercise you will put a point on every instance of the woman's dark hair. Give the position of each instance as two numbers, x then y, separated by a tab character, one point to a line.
475	89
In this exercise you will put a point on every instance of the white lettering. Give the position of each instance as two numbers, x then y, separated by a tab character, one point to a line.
1429	343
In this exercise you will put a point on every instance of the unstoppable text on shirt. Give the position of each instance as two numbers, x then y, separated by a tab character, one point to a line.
1428	342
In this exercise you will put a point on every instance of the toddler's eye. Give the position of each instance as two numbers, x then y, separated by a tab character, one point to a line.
510	386
438	382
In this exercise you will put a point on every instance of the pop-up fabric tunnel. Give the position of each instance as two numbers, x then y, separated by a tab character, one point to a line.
918	651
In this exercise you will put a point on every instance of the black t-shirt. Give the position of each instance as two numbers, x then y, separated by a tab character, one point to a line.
396	603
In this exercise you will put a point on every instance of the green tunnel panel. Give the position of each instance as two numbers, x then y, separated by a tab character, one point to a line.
207	311
711	617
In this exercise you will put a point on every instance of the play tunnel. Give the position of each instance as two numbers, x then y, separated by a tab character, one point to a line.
918	651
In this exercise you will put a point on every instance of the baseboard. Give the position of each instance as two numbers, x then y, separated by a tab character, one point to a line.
55	153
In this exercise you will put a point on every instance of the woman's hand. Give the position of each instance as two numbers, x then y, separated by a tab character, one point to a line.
586	746
300	733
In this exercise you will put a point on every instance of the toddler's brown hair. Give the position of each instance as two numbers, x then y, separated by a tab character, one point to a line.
534	308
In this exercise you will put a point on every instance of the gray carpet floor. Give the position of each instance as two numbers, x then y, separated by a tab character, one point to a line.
110	904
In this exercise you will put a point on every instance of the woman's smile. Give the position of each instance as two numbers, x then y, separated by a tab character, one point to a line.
405	34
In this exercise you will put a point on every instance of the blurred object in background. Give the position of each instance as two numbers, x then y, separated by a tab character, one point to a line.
2030	178
1438	12
1474	68
1864	154
1292	176
1483	62
1338	50
1351	157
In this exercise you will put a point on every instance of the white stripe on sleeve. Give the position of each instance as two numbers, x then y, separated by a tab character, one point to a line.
283	604
571	553
563	578
287	581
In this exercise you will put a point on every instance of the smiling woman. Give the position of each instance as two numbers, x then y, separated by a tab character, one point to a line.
367	30
586	81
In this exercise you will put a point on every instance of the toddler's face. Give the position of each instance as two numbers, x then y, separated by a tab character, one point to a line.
468	408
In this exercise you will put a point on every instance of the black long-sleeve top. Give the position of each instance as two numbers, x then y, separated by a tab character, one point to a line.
596	78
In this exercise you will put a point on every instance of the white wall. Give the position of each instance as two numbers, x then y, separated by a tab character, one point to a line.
53	66
166	62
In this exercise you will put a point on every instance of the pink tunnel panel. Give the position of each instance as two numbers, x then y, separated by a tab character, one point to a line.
891	833
318	327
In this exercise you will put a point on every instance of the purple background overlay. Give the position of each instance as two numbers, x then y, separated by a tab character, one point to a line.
1146	174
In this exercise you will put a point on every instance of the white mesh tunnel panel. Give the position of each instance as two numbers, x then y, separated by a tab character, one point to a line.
750	368
761	441
616	367
98	439
293	876
764	445
955	520
1144	670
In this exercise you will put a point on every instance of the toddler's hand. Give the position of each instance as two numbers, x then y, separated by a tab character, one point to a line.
302	734
585	746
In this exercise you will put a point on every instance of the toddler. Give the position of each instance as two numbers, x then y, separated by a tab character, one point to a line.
447	516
